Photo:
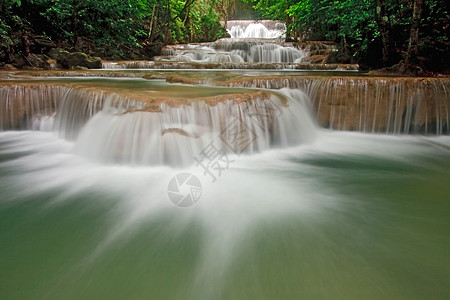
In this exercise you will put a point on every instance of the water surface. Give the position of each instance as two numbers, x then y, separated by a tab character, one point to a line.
347	216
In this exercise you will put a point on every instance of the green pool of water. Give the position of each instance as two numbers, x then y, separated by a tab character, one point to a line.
336	219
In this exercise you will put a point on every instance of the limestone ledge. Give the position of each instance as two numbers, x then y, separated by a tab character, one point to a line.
359	103
152	99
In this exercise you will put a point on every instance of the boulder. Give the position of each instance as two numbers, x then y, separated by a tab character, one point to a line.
78	68
73	59
37	61
4	66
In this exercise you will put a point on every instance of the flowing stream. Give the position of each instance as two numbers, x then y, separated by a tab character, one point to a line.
132	188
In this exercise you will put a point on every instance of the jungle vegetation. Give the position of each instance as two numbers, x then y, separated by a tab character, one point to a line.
373	33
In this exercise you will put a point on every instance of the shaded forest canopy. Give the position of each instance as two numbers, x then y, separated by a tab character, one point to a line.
373	33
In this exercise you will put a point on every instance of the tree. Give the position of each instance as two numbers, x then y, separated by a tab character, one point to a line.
383	27
412	53
374	32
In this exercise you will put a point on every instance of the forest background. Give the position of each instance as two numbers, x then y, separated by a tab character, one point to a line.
409	35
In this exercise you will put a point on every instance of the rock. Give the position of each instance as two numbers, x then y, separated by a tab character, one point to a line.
398	70
41	41
339	57
56	52
4	66
153	49
317	59
18	61
78	68
37	61
73	59
32	61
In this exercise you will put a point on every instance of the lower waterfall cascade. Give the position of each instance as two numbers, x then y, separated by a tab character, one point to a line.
108	127
372	104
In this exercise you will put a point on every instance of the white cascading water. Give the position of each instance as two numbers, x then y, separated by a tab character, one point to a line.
176	135
78	106
265	29
284	219
254	31
372	105
129	65
109	128
238	52
250	42
22	106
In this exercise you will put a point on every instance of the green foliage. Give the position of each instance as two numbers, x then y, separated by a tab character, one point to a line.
109	28
5	39
211	26
119	28
353	24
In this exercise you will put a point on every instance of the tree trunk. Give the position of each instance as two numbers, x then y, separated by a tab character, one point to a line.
412	52
295	30
26	45
288	24
154	27
75	23
168	32
383	26
150	30
288	28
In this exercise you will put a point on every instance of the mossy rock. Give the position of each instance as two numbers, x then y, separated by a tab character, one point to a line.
75	59
78	68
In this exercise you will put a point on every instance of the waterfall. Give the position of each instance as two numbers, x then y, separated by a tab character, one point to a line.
77	106
274	53
111	128
251	42
385	105
21	106
265	29
53	107
128	65
176	135
254	30
235	51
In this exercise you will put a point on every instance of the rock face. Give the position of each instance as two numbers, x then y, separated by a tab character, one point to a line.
321	52
75	59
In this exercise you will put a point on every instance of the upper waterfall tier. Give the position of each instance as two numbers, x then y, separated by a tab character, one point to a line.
250	42
253	45
234	51
265	29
